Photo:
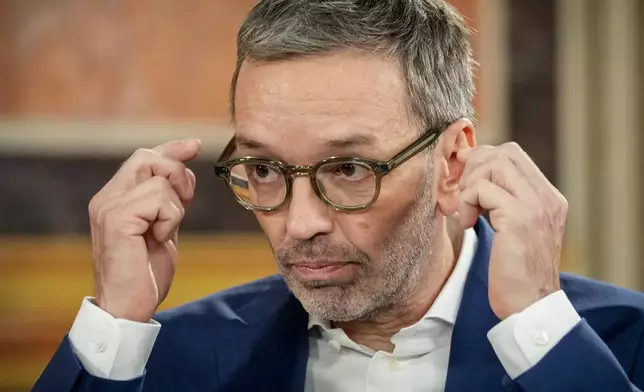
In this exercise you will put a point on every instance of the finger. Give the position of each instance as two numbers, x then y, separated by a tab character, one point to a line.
502	172
192	180
173	170
475	157
145	164
524	163
483	195
163	267
468	215
171	207
152	205
162	214
180	150
150	214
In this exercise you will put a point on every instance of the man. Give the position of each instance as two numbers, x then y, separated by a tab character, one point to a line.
355	149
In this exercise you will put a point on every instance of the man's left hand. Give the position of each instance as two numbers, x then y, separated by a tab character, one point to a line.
528	214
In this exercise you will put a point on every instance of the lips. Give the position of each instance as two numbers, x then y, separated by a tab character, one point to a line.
322	270
319	264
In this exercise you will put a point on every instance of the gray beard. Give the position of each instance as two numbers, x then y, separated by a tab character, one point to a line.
378	288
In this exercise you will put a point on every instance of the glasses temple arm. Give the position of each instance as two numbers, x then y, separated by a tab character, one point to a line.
228	150
413	149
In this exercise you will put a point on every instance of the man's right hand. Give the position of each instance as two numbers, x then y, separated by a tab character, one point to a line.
135	220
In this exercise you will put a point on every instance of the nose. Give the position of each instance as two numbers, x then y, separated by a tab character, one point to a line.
308	216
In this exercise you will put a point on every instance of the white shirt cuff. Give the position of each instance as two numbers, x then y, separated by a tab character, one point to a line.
111	348
523	339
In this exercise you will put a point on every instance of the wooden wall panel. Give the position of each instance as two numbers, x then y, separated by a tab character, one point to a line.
532	85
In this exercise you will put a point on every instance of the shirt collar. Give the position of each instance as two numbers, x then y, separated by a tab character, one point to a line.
446	305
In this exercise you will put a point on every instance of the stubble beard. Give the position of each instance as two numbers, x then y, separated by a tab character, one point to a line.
377	288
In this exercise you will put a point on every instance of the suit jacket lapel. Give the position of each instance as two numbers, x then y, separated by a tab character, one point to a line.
266	349
268	343
473	365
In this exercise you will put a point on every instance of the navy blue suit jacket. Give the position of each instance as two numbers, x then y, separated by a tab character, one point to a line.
254	338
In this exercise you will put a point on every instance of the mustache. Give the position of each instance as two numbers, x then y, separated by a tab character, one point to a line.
319	249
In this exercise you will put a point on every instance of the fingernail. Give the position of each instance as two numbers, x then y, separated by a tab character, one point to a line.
190	186
184	141
193	142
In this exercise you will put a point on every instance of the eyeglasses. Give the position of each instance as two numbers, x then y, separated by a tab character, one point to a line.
345	183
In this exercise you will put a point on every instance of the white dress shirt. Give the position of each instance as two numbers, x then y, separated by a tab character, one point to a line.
119	349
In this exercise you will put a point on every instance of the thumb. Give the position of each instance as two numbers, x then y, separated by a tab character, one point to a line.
468	214
181	150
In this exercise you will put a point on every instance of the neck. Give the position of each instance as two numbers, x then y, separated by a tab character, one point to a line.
376	332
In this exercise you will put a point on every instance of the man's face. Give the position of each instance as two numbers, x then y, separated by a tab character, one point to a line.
341	266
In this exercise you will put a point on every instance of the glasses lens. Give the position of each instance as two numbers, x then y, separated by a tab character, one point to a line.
347	183
258	184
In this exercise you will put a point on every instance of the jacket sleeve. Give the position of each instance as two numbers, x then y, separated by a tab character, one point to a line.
64	373
581	361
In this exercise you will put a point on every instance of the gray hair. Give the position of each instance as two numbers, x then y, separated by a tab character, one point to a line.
428	37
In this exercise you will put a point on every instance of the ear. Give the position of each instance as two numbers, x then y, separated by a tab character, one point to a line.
447	169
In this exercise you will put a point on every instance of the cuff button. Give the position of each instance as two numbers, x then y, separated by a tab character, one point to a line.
541	338
335	346
99	346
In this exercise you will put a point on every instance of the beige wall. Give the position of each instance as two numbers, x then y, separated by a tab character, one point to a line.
123	59
600	131
126	59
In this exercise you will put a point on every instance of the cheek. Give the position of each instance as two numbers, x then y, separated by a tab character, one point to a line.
273	226
370	230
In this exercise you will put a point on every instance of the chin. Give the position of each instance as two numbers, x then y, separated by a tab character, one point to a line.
331	303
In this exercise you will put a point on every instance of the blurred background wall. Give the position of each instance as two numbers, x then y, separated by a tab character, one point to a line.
85	83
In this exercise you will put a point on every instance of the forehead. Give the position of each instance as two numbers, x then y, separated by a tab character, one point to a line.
312	100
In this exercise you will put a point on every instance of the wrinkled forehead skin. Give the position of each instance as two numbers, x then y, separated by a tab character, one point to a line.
307	108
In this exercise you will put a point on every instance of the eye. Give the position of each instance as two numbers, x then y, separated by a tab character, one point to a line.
263	173
348	169
351	171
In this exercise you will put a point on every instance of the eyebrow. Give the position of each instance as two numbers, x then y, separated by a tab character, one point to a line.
247	143
350	141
